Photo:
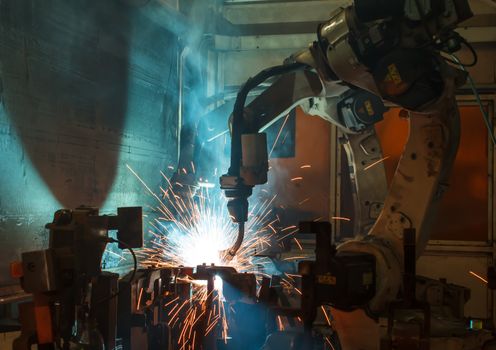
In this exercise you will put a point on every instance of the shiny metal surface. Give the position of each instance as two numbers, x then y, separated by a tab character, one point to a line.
341	56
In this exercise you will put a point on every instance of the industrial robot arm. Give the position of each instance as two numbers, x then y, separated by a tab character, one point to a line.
372	50
249	163
354	110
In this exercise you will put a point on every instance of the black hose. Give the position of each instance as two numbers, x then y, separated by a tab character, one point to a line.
135	268
238	128
475	57
135	260
239	106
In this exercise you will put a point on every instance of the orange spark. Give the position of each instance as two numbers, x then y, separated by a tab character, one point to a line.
298	243
170	302
294	258
172	310
375	163
304	201
139	299
325	314
293	275
340	218
479	277
330	344
279	134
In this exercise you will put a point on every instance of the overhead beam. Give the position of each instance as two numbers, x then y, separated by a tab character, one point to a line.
275	12
269	12
263	42
301	41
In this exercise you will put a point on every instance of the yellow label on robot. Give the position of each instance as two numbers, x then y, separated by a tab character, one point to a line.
394	74
369	108
326	279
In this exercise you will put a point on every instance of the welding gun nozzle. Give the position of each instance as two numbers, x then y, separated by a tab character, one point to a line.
231	252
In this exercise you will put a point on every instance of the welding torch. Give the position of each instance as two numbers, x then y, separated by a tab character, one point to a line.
249	159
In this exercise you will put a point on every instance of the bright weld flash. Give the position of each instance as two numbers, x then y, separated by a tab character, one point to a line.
218	284
193	230
204	244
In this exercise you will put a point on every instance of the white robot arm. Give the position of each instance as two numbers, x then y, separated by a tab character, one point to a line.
370	51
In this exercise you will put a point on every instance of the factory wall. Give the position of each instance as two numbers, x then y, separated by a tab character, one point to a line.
86	88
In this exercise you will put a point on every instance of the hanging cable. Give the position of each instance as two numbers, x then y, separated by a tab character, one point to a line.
135	260
239	106
135	267
475	57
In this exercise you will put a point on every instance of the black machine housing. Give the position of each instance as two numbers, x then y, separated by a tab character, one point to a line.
345	281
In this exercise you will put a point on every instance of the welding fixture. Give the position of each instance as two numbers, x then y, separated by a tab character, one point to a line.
70	290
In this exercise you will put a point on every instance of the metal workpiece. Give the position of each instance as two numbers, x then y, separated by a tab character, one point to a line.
141	305
236	286
160	305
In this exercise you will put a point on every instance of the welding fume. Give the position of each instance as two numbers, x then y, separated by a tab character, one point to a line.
209	259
